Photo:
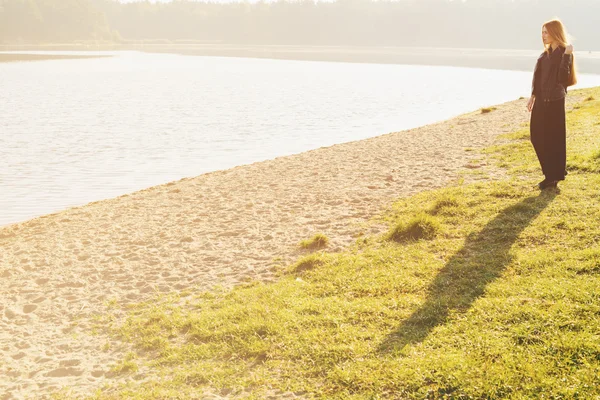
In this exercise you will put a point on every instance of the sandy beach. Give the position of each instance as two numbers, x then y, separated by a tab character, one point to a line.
61	270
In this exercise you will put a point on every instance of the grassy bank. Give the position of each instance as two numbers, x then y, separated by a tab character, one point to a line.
490	290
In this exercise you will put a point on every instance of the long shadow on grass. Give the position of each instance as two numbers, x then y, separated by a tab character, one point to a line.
464	278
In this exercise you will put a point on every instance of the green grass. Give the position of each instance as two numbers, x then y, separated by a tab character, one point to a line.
500	298
421	226
308	263
127	365
318	241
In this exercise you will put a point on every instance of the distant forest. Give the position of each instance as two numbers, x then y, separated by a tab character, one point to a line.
444	23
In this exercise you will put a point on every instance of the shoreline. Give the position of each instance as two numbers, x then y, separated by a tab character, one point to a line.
24	57
513	60
505	59
51	205
222	228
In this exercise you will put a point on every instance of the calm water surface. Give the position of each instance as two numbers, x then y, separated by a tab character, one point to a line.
75	131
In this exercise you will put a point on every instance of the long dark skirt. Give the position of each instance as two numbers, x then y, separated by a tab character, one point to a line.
548	132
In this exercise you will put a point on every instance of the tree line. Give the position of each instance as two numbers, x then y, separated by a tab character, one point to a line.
448	23
39	21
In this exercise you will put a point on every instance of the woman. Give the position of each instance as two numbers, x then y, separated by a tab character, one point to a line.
554	72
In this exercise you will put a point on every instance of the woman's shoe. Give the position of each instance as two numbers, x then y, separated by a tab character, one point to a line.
546	184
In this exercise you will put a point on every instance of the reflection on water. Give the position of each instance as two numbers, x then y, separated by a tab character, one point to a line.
75	131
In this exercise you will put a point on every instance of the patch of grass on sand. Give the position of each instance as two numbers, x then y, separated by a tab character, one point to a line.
421	226
127	365
308	263
319	241
503	302
487	110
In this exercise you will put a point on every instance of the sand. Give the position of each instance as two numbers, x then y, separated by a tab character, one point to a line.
19	57
59	271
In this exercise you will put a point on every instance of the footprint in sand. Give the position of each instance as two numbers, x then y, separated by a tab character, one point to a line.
97	374
19	355
69	363
63	372
29	308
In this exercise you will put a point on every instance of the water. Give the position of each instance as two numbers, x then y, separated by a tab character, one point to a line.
76	131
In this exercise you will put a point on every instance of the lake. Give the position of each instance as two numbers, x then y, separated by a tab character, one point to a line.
81	130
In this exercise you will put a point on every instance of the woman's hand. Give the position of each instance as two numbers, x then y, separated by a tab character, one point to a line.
569	49
530	103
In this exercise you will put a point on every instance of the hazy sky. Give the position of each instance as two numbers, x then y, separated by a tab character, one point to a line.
409	23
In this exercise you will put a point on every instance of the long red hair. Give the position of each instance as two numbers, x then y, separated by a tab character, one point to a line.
557	31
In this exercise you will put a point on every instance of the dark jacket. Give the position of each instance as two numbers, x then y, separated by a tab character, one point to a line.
557	67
